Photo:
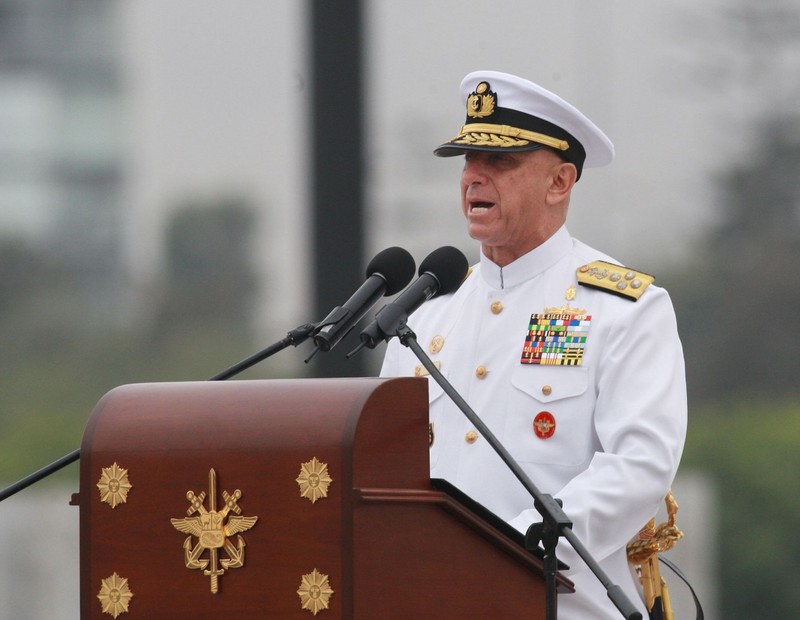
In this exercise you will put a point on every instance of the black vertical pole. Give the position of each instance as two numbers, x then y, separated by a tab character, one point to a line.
337	168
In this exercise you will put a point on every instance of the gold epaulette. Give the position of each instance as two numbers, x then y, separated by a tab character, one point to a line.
614	279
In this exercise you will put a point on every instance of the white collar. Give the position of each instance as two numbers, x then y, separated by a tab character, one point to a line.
528	265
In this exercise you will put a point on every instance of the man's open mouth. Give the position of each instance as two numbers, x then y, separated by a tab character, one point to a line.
479	206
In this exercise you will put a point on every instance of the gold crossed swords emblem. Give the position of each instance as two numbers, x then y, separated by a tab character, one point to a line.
214	530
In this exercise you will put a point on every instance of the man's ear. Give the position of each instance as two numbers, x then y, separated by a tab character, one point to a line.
564	177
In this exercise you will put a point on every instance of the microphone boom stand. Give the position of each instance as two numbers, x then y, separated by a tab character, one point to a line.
555	522
295	337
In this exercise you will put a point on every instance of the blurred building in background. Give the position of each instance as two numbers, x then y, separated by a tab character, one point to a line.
114	116
61	137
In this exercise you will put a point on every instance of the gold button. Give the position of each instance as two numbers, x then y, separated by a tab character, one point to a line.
436	344
496	307
471	437
547	390
481	372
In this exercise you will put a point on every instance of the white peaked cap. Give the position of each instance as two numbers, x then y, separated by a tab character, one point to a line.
509	113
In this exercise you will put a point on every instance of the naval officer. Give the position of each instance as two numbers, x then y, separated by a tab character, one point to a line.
572	360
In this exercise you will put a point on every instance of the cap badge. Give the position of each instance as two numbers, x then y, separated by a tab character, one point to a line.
544	425
481	101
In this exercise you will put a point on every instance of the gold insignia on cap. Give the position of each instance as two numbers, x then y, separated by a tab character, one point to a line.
504	136
481	101
615	279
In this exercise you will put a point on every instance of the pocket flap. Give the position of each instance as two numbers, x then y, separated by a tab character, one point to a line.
549	383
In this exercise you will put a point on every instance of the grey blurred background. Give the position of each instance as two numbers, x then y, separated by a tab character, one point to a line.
159	193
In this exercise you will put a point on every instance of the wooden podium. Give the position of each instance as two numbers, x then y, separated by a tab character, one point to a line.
283	499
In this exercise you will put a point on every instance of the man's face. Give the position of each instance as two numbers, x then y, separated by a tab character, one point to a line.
504	197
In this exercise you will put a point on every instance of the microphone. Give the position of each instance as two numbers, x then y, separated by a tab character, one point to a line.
441	272
387	274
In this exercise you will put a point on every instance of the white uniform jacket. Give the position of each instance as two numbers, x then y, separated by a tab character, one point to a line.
619	415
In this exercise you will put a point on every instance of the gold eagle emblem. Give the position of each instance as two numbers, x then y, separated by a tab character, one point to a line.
214	530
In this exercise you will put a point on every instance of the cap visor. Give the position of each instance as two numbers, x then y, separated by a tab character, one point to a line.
448	149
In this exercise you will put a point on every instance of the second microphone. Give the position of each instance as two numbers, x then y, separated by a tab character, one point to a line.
441	272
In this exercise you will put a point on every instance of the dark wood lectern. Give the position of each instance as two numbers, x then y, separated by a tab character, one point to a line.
283	499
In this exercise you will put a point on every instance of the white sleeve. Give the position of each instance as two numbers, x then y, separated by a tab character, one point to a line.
640	422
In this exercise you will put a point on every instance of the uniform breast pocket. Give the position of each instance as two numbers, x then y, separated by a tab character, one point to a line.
549	418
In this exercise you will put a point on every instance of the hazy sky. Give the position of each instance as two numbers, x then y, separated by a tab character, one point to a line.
622	63
216	104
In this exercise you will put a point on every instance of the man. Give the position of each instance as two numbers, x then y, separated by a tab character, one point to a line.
571	360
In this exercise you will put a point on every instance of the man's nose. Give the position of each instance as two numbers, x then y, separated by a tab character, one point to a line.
474	172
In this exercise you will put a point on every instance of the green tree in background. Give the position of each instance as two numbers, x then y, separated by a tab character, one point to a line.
737	304
209	273
55	365
751	448
738	300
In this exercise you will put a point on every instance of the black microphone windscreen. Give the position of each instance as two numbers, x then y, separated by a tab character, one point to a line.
396	266
450	267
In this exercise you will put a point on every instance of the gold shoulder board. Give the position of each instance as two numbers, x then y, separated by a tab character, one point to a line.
614	279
